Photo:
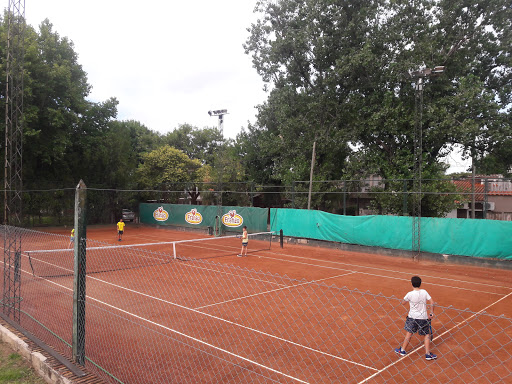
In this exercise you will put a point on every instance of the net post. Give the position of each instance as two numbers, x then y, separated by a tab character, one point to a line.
78	342
174	249
281	238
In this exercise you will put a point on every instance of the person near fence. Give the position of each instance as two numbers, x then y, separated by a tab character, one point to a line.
120	229
245	242
72	238
418	319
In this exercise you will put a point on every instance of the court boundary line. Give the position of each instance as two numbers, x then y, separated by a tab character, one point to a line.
312	264
179	333
366	267
437	337
387	277
235	324
273	290
101	230
379	269
219	319
196	266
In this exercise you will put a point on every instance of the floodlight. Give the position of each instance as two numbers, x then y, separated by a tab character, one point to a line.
220	113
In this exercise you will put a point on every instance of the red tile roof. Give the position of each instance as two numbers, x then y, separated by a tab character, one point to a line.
465	186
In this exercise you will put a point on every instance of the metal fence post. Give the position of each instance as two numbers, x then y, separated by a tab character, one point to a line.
78	342
404	200
252	194
293	194
486	199
344	198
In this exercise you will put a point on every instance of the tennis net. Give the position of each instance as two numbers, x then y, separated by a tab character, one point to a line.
60	262
103	258
214	247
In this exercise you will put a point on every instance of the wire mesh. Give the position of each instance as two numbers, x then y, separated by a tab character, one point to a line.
214	247
211	322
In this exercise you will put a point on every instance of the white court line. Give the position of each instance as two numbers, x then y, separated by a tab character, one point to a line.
273	290
367	267
228	322
421	346
383	269
179	333
159	266
374	274
336	268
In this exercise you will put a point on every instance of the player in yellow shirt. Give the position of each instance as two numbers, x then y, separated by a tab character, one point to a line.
245	242
120	229
72	238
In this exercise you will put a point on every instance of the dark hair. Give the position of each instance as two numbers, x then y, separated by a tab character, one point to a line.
416	281
244	227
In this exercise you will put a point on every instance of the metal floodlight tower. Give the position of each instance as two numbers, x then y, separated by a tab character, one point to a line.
13	158
419	77
220	113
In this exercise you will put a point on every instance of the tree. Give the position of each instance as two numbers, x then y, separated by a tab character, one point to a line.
498	160
339	73
200	144
142	139
169	169
294	47
62	129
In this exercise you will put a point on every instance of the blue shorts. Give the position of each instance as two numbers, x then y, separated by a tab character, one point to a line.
421	326
244	244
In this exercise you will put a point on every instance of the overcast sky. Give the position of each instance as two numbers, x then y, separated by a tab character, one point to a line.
167	62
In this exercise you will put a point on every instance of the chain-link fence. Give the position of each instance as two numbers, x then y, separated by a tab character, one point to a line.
202	321
481	197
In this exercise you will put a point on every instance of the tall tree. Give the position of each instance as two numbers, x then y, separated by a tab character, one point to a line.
339	72
169	169
200	144
62	128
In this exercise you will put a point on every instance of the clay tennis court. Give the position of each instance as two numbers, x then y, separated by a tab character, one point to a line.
292	314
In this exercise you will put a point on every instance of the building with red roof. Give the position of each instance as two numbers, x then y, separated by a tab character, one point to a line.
493	198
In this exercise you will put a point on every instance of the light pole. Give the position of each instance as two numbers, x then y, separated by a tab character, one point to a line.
311	174
220	113
419	77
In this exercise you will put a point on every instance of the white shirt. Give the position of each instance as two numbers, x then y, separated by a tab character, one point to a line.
418	303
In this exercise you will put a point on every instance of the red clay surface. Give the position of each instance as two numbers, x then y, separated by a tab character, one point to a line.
204	322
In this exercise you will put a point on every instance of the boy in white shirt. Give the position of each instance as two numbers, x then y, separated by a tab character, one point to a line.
418	320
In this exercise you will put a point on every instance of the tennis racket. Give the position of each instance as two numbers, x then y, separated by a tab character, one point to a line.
430	331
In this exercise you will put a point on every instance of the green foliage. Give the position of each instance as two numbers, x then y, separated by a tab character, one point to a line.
498	160
202	144
169	169
166	166
438	197
15	369
339	75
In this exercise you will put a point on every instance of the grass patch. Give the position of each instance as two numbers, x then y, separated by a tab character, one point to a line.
15	369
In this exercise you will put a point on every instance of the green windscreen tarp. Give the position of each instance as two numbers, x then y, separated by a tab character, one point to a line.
467	237
232	218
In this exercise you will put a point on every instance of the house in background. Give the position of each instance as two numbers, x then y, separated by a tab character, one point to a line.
493	198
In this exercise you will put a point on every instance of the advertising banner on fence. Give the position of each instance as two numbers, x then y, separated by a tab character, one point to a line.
232	218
